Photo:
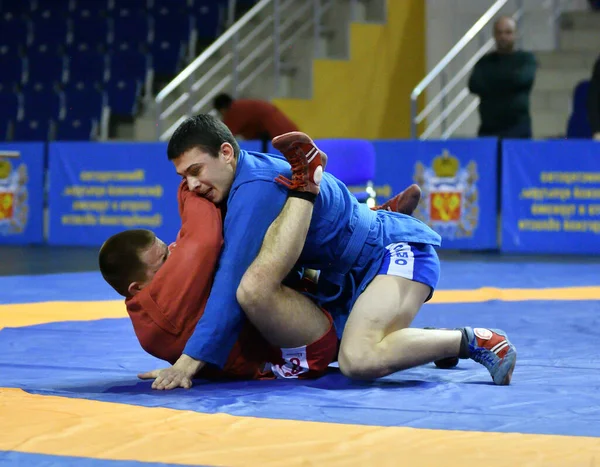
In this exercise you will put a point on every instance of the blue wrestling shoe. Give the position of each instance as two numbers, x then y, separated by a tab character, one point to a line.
493	350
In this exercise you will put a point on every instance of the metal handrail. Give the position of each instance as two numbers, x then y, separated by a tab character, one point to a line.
445	61
240	57
211	49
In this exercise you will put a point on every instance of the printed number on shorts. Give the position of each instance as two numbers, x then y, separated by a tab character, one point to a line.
399	253
296	368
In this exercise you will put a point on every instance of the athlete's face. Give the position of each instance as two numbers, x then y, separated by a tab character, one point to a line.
208	176
153	258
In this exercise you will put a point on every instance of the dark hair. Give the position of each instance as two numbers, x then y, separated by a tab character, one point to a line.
202	131
222	101
119	258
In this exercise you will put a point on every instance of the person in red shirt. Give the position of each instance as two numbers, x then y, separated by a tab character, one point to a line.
253	119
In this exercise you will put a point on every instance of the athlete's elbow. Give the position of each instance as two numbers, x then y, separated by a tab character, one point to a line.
253	292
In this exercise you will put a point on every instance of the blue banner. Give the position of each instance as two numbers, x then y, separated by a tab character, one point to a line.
551	197
100	189
21	193
459	184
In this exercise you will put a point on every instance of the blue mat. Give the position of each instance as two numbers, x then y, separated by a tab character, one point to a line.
89	286
21	459
555	387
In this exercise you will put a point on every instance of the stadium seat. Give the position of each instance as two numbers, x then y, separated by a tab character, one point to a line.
5	125
12	65
62	7
11	104
14	7
15	29
353	162
578	126
130	25
167	56
42	101
32	130
94	8
76	129
123	96
86	63
49	27
127	61
45	64
208	15
89	28
83	101
171	23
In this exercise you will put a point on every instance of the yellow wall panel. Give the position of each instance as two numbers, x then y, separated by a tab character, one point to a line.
368	95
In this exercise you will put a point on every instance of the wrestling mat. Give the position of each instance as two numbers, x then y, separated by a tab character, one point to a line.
69	393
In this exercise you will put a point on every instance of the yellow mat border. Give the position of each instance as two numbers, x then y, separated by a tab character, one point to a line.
73	427
28	314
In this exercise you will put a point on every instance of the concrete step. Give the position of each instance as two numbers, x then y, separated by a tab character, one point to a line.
549	124
559	80
567	60
551	101
581	40
580	20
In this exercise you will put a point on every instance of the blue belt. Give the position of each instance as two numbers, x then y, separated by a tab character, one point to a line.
337	273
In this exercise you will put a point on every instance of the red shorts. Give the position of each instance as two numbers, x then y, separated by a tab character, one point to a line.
254	358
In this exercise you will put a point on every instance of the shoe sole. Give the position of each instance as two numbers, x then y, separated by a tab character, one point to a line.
504	376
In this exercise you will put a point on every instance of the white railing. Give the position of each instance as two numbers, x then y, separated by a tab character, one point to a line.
251	49
462	104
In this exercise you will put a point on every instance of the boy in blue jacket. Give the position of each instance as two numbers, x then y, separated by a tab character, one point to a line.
377	268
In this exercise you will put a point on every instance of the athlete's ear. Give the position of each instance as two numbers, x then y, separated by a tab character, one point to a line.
228	152
134	288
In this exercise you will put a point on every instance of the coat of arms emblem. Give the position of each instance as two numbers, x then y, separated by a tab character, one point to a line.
14	209
450	201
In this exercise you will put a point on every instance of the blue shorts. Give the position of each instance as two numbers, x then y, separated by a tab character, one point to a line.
414	261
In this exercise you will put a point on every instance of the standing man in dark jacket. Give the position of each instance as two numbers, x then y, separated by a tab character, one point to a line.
594	101
503	80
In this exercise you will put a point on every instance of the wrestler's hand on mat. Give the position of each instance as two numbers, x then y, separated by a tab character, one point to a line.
178	376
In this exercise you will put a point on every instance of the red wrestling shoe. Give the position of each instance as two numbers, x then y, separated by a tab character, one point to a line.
405	202
306	159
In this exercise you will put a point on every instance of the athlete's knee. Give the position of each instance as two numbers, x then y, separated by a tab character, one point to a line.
359	362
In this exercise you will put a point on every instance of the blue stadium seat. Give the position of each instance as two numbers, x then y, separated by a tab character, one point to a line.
352	161
50	27
156	5
14	7
43	101
578	125
36	7
86	63
129	62
208	18
89	28
94	8
171	24
5	125
45	64
32	130
123	96
83	100
12	66
76	129
15	29
167	56
129	25
11	104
